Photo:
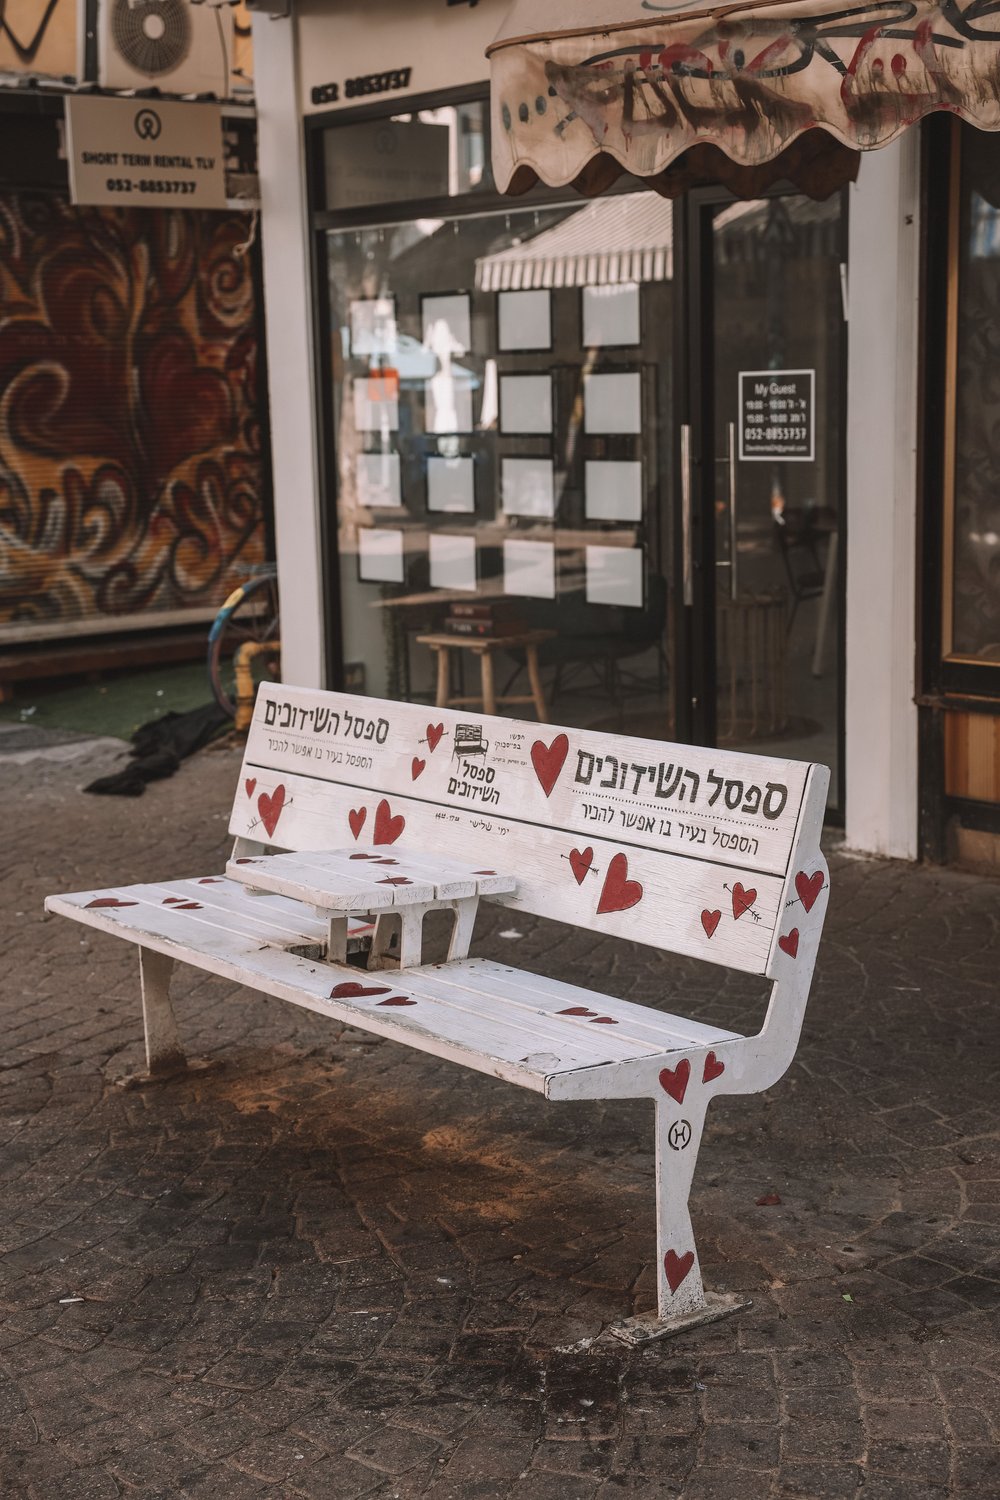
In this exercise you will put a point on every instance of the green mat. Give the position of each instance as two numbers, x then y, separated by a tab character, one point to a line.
116	705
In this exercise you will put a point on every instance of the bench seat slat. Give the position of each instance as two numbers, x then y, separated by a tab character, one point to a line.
477	984
470	1021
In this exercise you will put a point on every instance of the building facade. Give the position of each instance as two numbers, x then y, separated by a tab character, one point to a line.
729	460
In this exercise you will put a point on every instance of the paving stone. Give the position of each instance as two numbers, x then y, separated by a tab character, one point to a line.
337	1247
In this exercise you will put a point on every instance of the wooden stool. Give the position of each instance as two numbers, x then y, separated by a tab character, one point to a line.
484	646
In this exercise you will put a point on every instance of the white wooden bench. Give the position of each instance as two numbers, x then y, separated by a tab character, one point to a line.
705	853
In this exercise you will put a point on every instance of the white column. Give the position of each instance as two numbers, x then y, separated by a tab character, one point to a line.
882	417
291	368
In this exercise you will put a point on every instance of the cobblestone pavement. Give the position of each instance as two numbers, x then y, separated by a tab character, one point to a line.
337	1268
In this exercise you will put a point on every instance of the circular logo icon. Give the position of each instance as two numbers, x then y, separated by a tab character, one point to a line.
679	1135
147	125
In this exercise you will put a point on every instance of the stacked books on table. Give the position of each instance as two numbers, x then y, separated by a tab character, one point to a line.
493	619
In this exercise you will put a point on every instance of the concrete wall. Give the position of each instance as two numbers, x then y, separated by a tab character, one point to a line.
882	419
291	365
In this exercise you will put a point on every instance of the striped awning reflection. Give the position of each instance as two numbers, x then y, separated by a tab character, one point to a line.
608	242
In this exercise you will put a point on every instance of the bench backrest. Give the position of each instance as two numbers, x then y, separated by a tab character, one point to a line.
687	849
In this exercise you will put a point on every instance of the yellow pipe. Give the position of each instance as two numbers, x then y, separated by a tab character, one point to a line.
246	689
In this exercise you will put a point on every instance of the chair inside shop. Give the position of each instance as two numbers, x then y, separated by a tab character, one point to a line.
585	653
796	540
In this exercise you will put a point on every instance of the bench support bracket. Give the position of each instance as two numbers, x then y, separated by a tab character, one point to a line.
647	1326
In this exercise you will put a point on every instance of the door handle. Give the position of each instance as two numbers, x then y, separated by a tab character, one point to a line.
734	587
687	572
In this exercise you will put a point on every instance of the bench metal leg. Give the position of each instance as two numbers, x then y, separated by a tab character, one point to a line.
165	1057
682	1301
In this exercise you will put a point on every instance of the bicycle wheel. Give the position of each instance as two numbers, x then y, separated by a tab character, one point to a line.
249	614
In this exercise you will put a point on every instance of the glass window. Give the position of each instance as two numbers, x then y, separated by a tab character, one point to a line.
433	153
501	409
972	581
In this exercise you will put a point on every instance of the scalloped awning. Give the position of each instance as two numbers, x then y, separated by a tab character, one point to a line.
742	94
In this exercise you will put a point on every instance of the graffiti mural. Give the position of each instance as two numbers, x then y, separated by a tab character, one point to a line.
130	472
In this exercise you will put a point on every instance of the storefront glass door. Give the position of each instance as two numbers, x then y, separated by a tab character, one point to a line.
610	428
772	467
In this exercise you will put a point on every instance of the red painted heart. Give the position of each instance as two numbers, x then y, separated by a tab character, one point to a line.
387	827
111	901
677	1267
808	887
484	872
395	880
188	906
171	900
742	900
619	892
396	1000
713	1068
580	861
362	856
790	943
674	1081
416	766
210	880
251	785
351	990
577	1010
604	1021
710	921
270	807
548	761
434	733
356	817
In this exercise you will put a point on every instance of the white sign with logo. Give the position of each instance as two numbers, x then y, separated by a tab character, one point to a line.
146	153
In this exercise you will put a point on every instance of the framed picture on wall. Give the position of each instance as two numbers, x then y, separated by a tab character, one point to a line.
529	569
372	326
446	323
612	403
378	481
614	576
525	405
527	487
380	555
451	484
524	320
453	562
612	489
610	316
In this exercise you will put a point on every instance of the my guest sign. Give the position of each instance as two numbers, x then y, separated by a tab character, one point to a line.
147	153
640	830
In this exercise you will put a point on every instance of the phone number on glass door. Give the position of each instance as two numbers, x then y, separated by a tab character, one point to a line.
147	185
775	434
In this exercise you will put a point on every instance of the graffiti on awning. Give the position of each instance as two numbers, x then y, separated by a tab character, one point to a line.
748	81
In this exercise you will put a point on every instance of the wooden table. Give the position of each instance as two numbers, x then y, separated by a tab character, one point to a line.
484	646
